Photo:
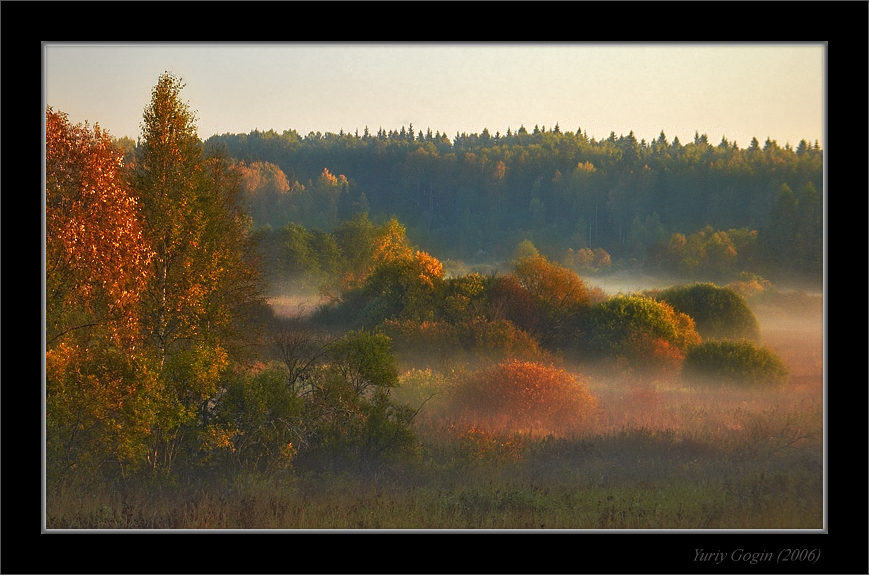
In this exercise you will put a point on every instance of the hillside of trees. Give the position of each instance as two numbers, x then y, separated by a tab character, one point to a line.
700	210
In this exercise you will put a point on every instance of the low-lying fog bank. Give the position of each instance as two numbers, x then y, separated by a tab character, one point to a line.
627	283
295	305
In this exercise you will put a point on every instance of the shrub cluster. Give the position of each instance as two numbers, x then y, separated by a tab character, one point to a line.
734	362
647	336
336	411
719	312
474	341
522	395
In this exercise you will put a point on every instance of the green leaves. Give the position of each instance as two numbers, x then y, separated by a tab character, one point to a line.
734	362
719	312
362	360
611	326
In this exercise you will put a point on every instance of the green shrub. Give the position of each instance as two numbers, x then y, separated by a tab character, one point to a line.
733	362
353	421
256	423
718	312
611	327
644	337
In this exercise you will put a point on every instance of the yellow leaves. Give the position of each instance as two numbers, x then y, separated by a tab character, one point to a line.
327	179
96	401
430	268
391	243
550	284
220	437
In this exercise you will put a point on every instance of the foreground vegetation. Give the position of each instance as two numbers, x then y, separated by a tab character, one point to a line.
670	459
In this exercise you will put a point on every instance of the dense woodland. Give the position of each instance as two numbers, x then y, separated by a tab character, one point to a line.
166	365
700	209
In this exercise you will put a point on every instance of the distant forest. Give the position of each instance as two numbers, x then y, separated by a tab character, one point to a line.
698	209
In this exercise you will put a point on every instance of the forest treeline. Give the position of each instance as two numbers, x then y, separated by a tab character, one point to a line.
700	210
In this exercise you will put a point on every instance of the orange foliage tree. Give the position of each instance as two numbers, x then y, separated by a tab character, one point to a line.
520	395
96	257
558	292
97	267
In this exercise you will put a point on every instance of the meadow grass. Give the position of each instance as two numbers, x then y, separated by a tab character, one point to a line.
610	490
730	466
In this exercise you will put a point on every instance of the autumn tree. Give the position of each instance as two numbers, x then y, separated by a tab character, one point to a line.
508	300
366	246
405	285
203	284
268	192
96	257
97	266
558	292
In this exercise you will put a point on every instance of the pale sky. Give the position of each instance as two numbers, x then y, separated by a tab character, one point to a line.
733	90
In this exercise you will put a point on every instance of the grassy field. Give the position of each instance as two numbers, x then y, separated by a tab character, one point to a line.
691	461
636	478
659	456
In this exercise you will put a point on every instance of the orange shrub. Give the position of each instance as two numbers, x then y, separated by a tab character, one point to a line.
524	396
652	358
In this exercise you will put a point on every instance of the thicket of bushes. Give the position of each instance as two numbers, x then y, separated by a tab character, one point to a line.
524	396
540	311
718	312
734	363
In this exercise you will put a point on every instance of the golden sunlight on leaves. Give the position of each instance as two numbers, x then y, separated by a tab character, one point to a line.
96	256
